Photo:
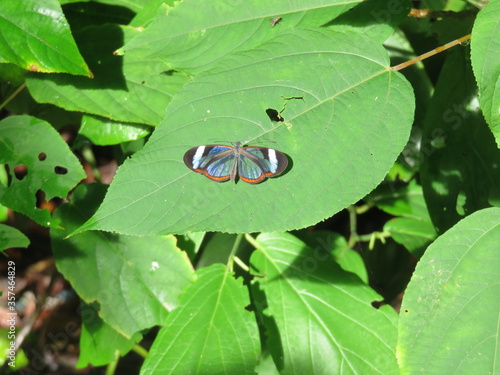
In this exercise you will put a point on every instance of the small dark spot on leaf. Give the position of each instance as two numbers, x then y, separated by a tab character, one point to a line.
168	72
60	170
406	311
42	156
274	115
20	171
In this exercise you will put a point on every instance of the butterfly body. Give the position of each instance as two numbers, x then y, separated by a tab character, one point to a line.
222	163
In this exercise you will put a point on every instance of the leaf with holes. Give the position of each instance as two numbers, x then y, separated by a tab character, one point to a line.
40	162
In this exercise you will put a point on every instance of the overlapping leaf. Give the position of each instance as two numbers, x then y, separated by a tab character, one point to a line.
36	36
134	291
460	158
449	319
99	342
190	41
210	332
319	318
123	88
49	165
346	118
101	131
485	44
12	237
414	228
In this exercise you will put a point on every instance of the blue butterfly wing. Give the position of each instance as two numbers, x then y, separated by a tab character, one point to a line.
217	162
214	161
220	169
260	162
201	158
249	171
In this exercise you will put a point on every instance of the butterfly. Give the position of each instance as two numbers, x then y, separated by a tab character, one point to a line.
221	163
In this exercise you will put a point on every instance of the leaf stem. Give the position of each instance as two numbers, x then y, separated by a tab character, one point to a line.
232	255
111	367
240	263
431	53
353	236
140	350
14	94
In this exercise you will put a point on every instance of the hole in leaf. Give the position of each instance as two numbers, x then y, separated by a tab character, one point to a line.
274	115
20	171
42	156
43	204
377	304
60	170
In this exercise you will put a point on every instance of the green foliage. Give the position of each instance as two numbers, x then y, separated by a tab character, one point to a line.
211	332
303	287
12	237
412	154
38	38
50	166
336	110
149	284
450	310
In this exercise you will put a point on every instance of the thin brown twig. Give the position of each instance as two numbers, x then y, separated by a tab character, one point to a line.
431	53
434	14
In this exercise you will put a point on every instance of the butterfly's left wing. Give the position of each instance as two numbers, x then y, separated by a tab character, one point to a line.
257	163
214	161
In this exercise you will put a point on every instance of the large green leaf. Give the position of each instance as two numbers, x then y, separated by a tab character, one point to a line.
190	41
485	44
210	332
123	88
449	319
459	172
320	319
135	291
36	36
49	164
341	138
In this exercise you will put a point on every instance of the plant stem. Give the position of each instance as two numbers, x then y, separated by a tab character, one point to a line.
431	53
